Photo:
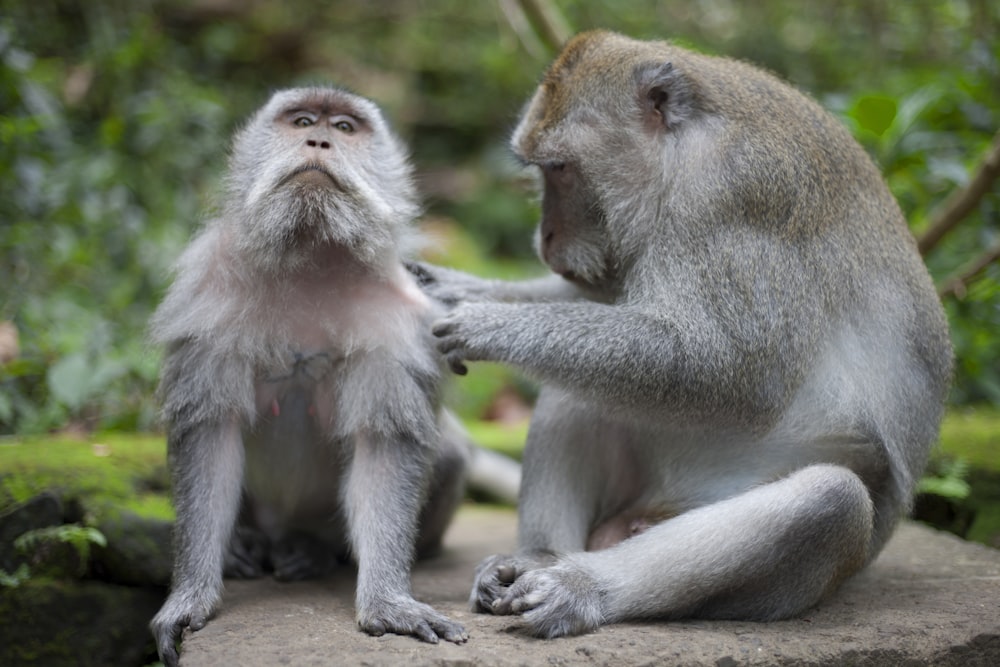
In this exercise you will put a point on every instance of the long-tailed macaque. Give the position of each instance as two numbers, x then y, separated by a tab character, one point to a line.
743	358
300	375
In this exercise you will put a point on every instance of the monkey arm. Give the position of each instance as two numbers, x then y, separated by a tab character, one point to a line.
207	465
392	427
204	393
384	493
623	356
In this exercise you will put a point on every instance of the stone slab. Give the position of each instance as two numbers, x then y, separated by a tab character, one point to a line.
929	599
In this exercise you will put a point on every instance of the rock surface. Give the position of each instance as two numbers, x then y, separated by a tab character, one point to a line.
929	599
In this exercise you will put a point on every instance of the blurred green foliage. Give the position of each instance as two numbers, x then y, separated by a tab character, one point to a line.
115	117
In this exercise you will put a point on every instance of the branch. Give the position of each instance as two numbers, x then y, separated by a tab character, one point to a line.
522	27
549	24
958	284
961	202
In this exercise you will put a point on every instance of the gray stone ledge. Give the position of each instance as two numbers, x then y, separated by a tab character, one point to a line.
929	599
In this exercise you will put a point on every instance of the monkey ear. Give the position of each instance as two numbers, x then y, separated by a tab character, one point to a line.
665	94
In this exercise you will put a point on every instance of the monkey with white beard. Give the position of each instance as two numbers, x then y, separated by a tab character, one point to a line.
300	384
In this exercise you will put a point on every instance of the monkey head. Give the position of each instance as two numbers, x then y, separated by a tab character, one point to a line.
596	129
317	168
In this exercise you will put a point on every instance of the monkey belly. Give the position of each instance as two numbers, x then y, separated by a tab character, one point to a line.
292	471
620	527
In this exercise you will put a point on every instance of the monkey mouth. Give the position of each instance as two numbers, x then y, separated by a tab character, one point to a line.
314	174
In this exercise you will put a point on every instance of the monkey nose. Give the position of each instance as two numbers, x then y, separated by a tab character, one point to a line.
312	143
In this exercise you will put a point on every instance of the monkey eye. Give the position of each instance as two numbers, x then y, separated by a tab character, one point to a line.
303	121
344	126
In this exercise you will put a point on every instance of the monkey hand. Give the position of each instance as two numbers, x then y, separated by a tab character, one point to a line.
495	574
405	616
178	612
556	601
448	286
469	333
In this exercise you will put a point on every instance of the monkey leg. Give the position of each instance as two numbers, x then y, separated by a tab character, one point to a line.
299	556
246	556
769	553
564	481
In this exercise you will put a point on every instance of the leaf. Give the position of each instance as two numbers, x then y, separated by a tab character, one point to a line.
69	380
875	113
948	487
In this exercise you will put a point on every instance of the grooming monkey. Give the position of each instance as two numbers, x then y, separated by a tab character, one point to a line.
300	374
743	357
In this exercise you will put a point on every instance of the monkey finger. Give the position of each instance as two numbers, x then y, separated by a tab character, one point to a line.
425	633
420	271
453	633
502	606
374	628
169	655
509	605
447	629
506	574
457	367
526	602
442	328
167	642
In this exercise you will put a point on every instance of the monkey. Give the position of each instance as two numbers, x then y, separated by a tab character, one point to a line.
300	385
743	361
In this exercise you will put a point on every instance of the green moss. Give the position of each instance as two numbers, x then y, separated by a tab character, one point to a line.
973	434
971	437
126	470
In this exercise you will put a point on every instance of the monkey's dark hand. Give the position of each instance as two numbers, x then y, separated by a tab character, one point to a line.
448	286
178	612
406	616
469	333
495	575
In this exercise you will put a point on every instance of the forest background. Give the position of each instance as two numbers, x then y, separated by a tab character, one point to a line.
116	115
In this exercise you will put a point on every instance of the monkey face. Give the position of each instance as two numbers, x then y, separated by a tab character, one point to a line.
319	167
571	237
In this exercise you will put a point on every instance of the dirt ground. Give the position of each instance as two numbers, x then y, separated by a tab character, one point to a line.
929	599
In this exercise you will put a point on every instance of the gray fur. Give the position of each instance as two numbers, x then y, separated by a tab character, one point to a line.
741	415
300	384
